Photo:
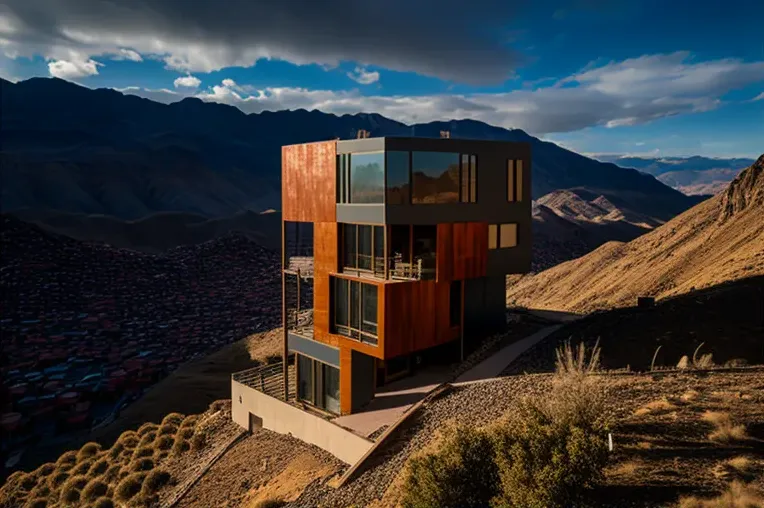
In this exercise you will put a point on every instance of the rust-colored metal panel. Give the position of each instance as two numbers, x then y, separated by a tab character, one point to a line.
346	381
325	262
309	182
462	251
416	317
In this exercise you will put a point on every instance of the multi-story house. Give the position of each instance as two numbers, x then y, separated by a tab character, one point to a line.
405	244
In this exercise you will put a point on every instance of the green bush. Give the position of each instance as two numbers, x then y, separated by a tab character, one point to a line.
129	487
163	443
103	502
460	473
173	419
98	468
144	464
94	489
154	481
552	448
88	451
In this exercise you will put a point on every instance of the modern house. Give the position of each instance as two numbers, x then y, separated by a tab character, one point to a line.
403	245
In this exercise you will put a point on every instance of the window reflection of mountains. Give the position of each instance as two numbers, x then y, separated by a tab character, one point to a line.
443	188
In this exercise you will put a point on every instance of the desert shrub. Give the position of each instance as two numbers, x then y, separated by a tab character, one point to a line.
144	464
145	500
180	446
173	419
147	439
94	489
88	451
66	461
103	502
116	450
271	503
112	473
145	451
186	432
167	429
82	467
27	481
45	470
552	448
160	455
163	443
154	481
98	468
146	428
736	362
41	490
16	489
737	495
57	479
725	430
199	440
129	487
461	472
78	482
189	421
129	440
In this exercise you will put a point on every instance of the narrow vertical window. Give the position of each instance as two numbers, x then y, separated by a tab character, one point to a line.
510	180
473	178
493	235
514	180
519	180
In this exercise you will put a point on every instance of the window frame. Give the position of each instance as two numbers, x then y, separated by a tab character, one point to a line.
355	310
495	236
514	175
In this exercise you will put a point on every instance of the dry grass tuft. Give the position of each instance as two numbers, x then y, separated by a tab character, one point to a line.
725	430
174	419
627	468
689	396
146	428
737	468
655	407
88	451
737	495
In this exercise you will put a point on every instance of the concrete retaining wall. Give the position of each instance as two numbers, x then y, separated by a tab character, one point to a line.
285	418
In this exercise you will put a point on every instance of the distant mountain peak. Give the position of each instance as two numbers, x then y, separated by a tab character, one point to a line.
746	190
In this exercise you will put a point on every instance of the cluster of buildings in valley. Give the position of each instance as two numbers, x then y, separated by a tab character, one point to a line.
87	328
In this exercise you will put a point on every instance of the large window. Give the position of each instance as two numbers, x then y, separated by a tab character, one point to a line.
468	179
434	177
355	309
398	175
361	178
514	180
305	376
502	236
363	248
319	384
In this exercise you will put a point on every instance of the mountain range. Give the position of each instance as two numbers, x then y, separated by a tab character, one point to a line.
691	175
68	148
718	240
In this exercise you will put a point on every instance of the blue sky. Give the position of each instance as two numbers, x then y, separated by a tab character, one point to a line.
640	77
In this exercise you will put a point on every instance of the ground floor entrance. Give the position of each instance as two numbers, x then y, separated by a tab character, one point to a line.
318	384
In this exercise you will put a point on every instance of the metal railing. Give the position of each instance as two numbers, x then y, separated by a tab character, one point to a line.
268	379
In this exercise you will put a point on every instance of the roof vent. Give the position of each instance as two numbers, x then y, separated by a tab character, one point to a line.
445	134
362	134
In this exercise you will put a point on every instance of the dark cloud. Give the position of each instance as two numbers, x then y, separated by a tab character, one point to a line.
448	39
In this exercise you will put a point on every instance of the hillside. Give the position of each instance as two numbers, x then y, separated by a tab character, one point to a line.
718	240
689	175
72	149
160	231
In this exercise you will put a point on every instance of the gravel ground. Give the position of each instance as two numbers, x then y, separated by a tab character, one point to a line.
680	457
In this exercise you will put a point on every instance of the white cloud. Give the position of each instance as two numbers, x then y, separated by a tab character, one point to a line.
187	82
643	97
127	54
72	69
759	97
364	77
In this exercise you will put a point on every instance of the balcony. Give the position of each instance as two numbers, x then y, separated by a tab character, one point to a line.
268	379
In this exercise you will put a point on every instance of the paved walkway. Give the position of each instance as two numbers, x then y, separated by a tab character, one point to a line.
396	398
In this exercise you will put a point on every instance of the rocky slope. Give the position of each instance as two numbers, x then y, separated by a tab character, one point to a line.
718	240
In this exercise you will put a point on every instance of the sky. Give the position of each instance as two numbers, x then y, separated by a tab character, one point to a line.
650	78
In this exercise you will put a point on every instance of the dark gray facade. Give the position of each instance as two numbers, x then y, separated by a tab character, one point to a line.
314	349
362	367
491	206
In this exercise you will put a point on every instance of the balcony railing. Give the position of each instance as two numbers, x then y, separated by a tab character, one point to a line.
300	322
421	267
268	379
